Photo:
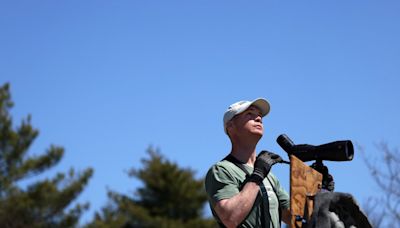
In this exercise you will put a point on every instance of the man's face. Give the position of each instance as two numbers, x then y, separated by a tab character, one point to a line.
248	122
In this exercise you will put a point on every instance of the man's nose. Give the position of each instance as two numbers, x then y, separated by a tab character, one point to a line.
258	119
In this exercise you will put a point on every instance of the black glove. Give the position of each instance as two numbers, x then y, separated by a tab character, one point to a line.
327	179
265	160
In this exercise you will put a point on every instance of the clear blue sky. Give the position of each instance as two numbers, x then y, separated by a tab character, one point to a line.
106	79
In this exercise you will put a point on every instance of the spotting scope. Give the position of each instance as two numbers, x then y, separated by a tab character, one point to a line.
333	151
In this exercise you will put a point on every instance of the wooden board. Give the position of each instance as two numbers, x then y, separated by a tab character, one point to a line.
305	182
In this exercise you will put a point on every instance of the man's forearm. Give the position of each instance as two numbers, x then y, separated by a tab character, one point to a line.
234	210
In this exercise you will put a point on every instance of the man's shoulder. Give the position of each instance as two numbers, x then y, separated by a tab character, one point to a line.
273	178
225	168
222	165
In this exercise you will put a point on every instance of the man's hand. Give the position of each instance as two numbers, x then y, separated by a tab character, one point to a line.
265	160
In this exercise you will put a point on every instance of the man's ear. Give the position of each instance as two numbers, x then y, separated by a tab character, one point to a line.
229	125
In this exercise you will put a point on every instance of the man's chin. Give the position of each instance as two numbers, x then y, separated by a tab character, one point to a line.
258	133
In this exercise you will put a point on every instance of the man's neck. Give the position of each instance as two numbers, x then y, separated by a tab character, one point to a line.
244	148
244	153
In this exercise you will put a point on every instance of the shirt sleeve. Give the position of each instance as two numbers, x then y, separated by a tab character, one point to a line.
283	196
220	184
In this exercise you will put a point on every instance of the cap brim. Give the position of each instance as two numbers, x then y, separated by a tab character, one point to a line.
261	104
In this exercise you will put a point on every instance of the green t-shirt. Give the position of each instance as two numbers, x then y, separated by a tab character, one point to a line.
223	181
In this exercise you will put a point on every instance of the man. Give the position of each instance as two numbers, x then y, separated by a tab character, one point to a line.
255	199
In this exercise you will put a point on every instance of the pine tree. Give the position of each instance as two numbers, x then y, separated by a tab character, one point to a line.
170	197
44	203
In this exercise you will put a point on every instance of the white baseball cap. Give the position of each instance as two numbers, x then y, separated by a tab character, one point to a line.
241	106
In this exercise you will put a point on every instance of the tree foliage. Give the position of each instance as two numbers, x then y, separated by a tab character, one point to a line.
384	210
44	203
170	197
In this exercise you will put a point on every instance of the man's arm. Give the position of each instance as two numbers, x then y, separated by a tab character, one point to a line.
234	210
